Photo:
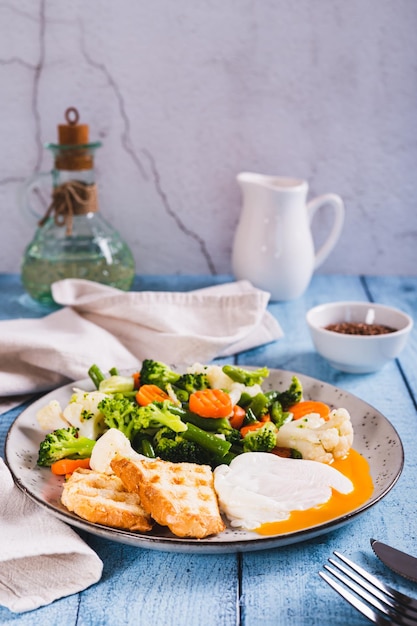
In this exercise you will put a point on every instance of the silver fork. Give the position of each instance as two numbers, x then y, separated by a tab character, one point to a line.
368	590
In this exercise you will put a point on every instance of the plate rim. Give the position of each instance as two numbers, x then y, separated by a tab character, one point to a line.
210	545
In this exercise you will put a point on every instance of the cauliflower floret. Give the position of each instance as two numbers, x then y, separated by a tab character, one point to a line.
215	375
219	380
111	443
340	420
317	439
238	388
50	417
82	412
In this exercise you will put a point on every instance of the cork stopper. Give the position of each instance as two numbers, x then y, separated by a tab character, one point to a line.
72	133
73	137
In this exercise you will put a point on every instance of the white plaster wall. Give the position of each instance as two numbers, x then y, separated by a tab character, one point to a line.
184	95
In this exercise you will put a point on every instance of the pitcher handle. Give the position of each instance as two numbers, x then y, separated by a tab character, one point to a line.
338	206
26	189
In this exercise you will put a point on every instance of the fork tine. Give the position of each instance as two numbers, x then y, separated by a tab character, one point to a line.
354	601
389	610
375	594
397	596
368	590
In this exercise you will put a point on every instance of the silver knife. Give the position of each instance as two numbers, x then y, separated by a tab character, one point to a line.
398	561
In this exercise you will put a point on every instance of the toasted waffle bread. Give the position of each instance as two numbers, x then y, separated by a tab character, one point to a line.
178	495
102	499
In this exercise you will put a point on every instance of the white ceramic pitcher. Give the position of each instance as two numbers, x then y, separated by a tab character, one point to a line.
273	246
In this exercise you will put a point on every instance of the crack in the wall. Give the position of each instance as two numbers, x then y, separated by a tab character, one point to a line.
126	141
14	9
37	68
36	80
11	179
174	216
37	71
127	145
17	61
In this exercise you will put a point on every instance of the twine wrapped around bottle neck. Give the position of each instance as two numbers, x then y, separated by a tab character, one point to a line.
69	199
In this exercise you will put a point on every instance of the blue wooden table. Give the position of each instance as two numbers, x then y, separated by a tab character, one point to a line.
278	586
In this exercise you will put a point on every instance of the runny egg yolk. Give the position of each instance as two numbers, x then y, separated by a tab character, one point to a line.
356	468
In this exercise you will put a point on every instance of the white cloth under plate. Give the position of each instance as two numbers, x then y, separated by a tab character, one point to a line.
113	328
41	558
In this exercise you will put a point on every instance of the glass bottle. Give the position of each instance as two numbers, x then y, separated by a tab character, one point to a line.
72	239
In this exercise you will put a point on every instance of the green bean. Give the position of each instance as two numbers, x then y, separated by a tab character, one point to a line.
147	449
96	375
210	442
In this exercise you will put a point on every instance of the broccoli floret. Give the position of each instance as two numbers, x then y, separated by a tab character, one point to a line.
262	439
119	412
246	377
64	443
194	445
192	382
125	415
188	384
157	414
157	373
230	434
278	415
293	394
171	446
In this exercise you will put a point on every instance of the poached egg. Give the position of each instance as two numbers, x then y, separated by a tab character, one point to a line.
268	494
260	488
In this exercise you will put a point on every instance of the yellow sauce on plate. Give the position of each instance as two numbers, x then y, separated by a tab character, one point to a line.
356	468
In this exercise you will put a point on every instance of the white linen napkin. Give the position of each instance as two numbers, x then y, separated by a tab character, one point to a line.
41	558
113	328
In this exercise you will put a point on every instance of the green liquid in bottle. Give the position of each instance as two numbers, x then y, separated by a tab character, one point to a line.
106	259
73	240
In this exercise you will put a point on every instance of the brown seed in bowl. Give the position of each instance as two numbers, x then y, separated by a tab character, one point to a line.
360	328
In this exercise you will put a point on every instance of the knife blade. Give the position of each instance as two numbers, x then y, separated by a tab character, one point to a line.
400	563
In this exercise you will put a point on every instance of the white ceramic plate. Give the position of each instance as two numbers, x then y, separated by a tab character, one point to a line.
375	438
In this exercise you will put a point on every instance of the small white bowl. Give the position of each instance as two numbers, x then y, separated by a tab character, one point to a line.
358	354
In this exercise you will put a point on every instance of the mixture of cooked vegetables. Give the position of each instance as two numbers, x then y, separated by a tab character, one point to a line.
188	451
209	415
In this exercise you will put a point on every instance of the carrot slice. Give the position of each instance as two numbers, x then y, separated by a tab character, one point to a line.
305	407
136	380
265	418
150	393
68	466
250	427
210	403
236	419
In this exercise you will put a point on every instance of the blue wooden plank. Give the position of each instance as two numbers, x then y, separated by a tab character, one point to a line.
401	293
160	588
151	587
307	599
288	580
295	351
279	586
178	282
63	612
